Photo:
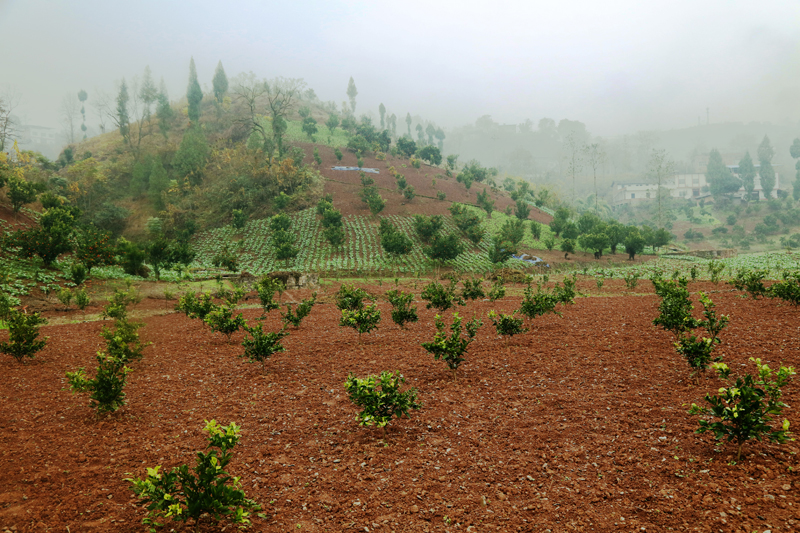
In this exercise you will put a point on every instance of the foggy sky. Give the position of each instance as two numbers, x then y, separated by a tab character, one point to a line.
618	66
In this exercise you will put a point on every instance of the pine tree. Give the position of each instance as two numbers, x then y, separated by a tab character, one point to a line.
163	109
194	94
382	111
766	172
220	83
720	179
147	93
122	111
747	172
352	92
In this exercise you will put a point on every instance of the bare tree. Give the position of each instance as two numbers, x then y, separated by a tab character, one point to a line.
9	125
595	155
140	110
103	106
249	92
281	96
659	168
574	159
70	108
276	98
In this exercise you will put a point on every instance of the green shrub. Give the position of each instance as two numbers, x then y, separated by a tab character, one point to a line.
498	290
350	297
106	387
207	489
303	309
542	302
123	341
507	325
82	299
402	311
23	330
266	289
65	296
117	306
77	273
440	297
362	320
473	289
715	269
675	309
230	296
226	259
696	350
788	289
378	407
750	281
631	279
451	348
221	319
195	307
261	346
746	409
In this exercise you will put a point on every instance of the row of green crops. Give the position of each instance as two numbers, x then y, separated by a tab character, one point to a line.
774	262
19	276
362	250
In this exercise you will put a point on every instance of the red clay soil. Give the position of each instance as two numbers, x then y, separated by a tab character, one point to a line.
13	220
345	185
580	426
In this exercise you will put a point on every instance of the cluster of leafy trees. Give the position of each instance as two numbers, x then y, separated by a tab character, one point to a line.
596	235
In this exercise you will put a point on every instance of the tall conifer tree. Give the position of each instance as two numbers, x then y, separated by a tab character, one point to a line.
194	94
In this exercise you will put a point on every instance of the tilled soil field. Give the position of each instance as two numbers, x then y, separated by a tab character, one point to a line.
581	425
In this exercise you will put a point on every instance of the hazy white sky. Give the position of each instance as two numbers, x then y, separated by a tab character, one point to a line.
619	66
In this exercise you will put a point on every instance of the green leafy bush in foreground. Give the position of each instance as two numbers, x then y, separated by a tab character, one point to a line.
402	311
221	319
303	309
23	330
362	320
675	308
350	297
697	350
440	297
260	346
206	490
378	407
507	325
106	388
451	348
746	409
266	288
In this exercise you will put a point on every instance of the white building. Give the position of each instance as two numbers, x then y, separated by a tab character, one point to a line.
39	139
683	186
687	186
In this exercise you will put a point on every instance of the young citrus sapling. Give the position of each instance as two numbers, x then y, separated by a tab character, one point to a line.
451	348
746	409
378	407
